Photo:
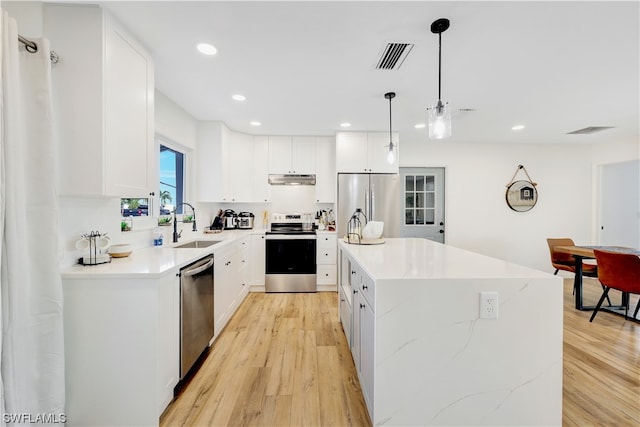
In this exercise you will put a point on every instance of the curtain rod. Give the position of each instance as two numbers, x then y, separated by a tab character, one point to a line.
32	47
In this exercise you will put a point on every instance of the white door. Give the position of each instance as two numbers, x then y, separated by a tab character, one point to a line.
619	204
422	203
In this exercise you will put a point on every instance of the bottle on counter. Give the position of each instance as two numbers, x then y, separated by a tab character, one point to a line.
157	237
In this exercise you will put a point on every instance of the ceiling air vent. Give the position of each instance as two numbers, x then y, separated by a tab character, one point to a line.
393	55
589	130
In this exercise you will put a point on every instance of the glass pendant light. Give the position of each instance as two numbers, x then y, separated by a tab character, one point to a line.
440	115
391	155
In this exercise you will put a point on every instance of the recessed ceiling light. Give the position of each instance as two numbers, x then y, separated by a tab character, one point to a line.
239	97
517	127
207	49
345	125
420	126
255	123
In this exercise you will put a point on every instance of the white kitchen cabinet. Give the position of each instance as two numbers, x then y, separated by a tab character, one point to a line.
238	179
326	250
231	281
258	252
358	152
292	155
120	334
363	330
366	330
168	338
345	313
243	255
325	170
345	296
224	164
103	104
261	188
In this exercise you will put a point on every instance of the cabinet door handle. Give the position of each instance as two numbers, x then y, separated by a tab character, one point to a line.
355	291
365	287
361	306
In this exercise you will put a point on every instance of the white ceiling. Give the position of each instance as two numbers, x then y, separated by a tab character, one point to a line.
305	67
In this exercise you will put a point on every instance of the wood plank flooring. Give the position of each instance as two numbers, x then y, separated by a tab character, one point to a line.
601	381
283	361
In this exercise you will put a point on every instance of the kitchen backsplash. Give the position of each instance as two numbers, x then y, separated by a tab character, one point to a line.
83	215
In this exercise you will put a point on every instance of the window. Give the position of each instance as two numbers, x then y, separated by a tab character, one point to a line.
171	180
419	199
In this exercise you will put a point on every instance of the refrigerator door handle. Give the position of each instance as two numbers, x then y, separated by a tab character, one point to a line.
367	205
372	204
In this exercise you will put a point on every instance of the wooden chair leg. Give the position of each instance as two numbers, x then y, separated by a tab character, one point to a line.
635	313
595	311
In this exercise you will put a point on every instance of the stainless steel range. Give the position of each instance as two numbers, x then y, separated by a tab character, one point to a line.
291	253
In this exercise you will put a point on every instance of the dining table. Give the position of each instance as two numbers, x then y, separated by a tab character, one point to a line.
580	253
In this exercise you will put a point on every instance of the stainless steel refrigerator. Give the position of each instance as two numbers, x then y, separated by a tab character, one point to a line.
378	195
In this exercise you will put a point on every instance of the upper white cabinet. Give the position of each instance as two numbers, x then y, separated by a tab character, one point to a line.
261	188
358	152
292	155
103	104
225	164
325	170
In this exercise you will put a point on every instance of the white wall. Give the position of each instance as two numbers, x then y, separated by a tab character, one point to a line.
28	15
173	122
477	216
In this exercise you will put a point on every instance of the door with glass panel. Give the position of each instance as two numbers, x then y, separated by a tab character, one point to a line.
422	191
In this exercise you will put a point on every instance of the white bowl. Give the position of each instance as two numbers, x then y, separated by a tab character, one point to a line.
373	230
121	250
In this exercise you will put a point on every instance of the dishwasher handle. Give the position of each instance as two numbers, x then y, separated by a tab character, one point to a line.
199	269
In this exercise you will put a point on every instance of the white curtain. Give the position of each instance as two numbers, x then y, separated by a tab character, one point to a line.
32	362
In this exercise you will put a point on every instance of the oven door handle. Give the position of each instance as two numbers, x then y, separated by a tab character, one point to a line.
197	270
290	237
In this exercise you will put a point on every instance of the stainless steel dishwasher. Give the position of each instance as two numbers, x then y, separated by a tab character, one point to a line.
196	311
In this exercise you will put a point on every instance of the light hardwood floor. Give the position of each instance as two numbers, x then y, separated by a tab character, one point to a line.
283	361
601	381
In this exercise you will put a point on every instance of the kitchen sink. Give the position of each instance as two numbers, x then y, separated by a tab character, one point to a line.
197	244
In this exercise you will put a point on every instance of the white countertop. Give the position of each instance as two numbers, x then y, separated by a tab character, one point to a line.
412	258
155	261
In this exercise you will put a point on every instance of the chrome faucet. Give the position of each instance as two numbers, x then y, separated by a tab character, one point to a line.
176	235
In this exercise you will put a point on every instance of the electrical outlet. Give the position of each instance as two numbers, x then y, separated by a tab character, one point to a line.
488	305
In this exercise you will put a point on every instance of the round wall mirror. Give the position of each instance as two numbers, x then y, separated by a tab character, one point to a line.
521	196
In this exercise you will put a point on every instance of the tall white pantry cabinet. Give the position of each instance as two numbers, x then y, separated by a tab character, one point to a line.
103	104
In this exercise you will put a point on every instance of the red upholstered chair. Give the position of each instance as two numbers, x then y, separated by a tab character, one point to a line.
564	261
618	271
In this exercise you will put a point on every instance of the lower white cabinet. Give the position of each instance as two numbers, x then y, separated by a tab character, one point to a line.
121	348
231	281
326	250
258	261
345	310
357	315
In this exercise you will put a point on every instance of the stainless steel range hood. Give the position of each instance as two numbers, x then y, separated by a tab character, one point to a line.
292	179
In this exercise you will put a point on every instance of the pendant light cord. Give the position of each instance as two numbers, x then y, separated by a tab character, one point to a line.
390	137
439	64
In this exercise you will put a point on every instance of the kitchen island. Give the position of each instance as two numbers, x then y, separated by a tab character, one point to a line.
424	351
